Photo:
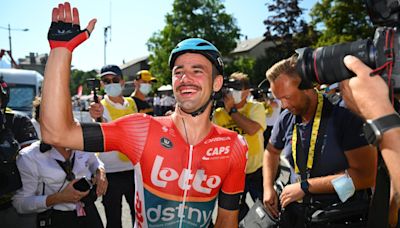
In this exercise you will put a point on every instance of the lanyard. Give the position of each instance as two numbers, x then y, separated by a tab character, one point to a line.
314	135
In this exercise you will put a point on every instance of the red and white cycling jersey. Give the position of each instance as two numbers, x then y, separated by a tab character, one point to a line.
177	184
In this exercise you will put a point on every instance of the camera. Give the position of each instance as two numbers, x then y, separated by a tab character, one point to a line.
83	184
324	65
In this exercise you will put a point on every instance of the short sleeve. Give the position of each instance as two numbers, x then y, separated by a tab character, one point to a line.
257	114
277	138
352	133
127	135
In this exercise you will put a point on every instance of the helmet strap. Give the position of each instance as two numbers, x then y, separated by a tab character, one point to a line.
201	109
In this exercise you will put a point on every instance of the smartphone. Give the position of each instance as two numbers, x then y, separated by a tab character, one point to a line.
83	184
93	83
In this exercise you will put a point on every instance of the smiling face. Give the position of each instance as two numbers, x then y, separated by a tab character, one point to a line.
192	81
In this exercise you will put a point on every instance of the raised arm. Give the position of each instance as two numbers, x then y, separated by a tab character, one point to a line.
368	97
57	124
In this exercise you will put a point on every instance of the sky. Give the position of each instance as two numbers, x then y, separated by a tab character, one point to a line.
132	22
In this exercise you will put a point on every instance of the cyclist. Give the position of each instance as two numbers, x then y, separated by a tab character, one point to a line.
182	162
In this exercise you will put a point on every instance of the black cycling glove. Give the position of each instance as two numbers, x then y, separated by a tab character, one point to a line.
66	35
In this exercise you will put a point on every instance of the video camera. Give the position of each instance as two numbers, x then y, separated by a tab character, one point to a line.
325	64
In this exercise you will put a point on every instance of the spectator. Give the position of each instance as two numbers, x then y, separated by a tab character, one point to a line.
317	164
16	131
248	119
47	185
120	173
157	105
143	83
272	115
183	162
35	116
368	97
167	103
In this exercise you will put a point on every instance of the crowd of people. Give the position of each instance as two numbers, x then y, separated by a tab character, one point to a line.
174	165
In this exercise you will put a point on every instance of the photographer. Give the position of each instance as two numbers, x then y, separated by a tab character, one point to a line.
368	97
331	162
120	171
248	119
48	177
16	131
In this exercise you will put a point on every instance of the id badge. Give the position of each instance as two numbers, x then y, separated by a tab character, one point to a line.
80	209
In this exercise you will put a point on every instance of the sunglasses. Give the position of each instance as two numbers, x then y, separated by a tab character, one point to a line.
109	80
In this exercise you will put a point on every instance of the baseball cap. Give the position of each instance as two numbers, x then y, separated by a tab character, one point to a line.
145	75
111	69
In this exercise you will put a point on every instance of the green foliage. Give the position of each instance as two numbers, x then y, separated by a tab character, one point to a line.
79	77
341	21
206	19
241	64
287	30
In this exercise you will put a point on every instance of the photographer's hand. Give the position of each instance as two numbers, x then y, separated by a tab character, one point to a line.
68	195
65	30
365	95
228	102
96	110
101	182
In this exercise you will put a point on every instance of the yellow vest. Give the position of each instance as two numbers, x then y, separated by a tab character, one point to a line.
116	113
256	112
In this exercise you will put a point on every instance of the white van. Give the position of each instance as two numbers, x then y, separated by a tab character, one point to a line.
24	86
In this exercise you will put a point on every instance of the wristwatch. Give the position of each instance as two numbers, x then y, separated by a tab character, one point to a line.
304	185
233	110
374	129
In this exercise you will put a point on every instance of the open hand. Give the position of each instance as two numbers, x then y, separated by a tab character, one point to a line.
65	30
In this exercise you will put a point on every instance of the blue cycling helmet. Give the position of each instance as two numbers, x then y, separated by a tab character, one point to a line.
200	46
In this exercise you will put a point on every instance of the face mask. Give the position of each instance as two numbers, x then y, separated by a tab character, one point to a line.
237	96
344	186
113	89
145	88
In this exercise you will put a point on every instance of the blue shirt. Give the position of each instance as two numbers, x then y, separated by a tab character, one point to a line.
343	132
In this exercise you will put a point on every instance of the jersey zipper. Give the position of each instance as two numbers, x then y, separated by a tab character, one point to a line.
189	167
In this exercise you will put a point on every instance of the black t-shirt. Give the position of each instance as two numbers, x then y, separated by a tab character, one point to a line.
22	128
143	106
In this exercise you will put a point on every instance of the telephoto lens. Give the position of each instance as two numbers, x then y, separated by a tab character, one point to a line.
324	65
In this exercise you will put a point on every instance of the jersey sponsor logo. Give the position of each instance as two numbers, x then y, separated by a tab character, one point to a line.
217	153
161	176
139	211
171	215
217	139
166	143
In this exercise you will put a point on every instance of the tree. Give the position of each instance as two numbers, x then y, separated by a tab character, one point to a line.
78	78
241	64
284	24
287	30
341	21
206	19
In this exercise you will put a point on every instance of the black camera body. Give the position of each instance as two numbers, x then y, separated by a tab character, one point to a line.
324	65
83	185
